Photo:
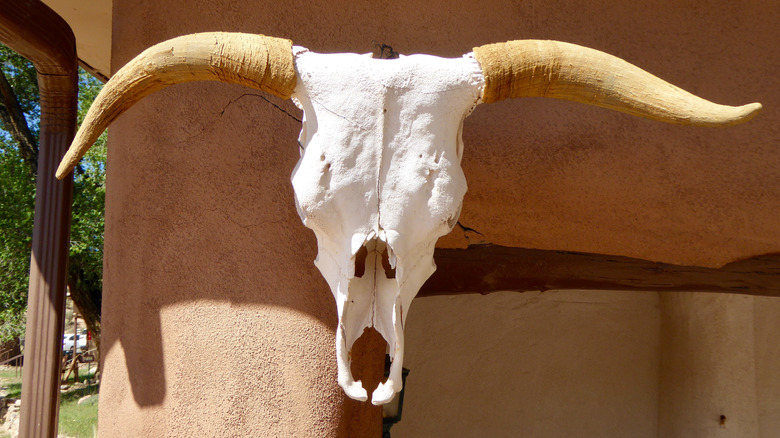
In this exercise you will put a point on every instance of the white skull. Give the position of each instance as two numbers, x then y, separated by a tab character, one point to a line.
379	181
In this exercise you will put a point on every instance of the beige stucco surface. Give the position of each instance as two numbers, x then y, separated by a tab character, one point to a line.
217	323
231	340
559	363
708	367
592	364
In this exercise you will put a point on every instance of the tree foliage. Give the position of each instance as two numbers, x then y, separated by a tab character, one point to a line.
17	199
18	167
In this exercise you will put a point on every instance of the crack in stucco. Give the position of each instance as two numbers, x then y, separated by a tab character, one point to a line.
472	236
221	113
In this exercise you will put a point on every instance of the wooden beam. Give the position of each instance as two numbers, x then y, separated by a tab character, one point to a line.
39	34
36	32
490	268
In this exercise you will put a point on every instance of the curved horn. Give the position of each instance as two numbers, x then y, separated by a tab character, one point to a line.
527	68
257	61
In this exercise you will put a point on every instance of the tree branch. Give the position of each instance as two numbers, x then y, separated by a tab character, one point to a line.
12	117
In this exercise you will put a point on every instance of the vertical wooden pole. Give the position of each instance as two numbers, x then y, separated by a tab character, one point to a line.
48	268
39	34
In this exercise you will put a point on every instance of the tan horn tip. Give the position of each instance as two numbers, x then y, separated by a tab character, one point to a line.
66	166
747	112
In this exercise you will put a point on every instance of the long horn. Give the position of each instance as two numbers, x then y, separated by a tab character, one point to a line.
527	68
257	61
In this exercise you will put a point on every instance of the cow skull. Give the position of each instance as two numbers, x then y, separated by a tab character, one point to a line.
379	182
379	179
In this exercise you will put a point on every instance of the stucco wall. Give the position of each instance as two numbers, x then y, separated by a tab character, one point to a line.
559	363
767	358
211	304
216	322
592	364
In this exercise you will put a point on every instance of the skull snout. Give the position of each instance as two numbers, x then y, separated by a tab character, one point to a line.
372	300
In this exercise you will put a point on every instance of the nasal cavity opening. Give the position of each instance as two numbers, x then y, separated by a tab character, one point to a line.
389	270
362	255
360	262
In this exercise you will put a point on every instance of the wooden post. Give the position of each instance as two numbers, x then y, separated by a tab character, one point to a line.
39	34
491	268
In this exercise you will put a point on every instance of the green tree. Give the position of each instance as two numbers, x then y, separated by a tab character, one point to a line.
19	117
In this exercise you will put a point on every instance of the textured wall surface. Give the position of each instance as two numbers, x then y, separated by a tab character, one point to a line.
216	322
559	363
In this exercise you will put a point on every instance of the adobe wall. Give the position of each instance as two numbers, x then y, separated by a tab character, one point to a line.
592	364
216	322
558	363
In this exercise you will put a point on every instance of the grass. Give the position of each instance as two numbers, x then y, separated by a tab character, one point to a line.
11	380
78	421
75	421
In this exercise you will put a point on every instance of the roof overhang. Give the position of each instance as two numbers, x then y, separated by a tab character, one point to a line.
91	24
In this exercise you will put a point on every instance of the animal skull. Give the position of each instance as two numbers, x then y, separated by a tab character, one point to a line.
379	179
374	198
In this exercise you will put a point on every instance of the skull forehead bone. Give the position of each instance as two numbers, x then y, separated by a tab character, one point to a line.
379	179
